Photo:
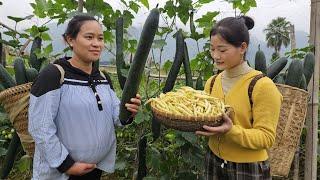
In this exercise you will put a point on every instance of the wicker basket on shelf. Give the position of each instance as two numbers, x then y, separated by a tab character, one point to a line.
292	117
15	101
187	123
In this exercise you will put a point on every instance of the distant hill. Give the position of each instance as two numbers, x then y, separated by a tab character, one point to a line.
169	50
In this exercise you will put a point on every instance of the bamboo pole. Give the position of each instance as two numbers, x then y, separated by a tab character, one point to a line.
310	168
296	155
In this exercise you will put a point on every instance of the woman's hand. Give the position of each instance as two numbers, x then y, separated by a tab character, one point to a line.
79	168
224	128
134	105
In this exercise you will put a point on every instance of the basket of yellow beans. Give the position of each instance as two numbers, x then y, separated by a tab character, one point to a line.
187	109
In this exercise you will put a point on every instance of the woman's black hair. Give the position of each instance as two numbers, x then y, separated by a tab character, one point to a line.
75	24
234	30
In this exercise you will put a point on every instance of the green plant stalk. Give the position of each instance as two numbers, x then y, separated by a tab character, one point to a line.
178	59
192	27
186	65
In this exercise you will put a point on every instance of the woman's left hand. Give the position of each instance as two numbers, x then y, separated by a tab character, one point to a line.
224	128
134	105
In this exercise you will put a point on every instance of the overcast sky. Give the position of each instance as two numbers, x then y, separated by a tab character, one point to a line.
296	11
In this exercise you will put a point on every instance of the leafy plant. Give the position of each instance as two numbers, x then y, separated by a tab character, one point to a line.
299	53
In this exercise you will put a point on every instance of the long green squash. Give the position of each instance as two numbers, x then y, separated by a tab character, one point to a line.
260	61
31	73
155	128
136	69
175	68
276	67
10	156
308	66
21	78
20	75
142	167
96	64
119	52
20	71
295	72
303	83
33	60
199	83
178	59
280	78
186	65
6	80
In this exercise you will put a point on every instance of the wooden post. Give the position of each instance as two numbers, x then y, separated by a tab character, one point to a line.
296	155
292	37
310	168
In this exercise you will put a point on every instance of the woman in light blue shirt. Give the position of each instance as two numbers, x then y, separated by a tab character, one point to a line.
72	115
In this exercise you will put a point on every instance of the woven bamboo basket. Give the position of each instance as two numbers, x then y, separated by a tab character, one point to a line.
15	101
187	123
292	117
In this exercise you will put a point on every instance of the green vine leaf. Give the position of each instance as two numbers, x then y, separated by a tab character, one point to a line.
170	9
134	6
145	3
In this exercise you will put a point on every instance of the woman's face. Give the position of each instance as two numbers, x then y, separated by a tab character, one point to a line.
88	44
224	54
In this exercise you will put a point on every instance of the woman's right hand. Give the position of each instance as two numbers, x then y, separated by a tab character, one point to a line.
224	128
79	168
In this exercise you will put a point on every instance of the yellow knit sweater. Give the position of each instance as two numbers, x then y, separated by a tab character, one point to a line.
246	142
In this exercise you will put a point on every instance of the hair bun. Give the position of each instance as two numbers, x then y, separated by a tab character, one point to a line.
248	22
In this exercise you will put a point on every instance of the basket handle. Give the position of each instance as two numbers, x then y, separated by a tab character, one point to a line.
61	72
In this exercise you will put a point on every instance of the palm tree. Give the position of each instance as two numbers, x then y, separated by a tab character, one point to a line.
277	34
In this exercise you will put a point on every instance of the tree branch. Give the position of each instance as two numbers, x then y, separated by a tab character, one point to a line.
9	28
110	51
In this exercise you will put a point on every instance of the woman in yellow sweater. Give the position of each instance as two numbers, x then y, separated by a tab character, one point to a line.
238	148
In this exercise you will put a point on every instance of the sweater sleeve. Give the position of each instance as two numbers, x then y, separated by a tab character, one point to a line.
43	108
265	112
